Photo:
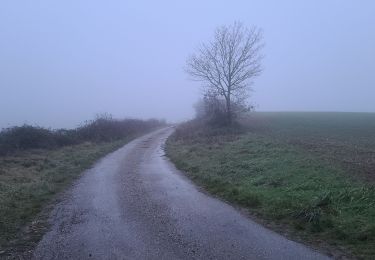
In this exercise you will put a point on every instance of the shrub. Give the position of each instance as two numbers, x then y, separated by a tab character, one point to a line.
103	129
213	110
25	137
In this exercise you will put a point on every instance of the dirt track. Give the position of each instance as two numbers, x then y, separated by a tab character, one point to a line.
133	204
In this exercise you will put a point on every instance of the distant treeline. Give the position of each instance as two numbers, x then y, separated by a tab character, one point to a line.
102	129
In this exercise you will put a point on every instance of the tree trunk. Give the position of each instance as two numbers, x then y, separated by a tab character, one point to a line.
229	111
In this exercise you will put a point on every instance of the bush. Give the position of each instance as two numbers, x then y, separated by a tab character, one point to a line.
213	110
25	137
103	129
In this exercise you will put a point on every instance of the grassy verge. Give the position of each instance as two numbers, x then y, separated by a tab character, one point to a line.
282	183
30	179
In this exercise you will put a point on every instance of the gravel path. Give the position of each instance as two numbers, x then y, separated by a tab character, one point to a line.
134	204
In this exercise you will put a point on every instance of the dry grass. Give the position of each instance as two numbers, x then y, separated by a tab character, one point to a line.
29	180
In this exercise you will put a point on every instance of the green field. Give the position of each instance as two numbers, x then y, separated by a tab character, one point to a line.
347	138
311	174
29	180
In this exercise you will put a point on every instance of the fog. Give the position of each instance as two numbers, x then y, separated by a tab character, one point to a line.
62	62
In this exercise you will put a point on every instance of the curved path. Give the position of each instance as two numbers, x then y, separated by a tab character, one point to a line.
134	204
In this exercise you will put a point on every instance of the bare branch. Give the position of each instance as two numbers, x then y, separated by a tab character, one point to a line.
229	62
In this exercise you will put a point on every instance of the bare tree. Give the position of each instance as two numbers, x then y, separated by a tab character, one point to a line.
228	63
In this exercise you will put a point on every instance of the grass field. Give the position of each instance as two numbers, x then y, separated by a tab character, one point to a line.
313	173
347	138
30	179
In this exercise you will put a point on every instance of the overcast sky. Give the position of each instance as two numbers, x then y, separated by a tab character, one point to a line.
61	62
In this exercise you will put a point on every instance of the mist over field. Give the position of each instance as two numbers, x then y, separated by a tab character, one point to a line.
63	62
187	129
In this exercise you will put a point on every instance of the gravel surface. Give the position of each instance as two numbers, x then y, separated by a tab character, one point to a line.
134	204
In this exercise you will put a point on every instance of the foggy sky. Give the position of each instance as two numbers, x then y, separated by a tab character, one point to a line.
61	62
